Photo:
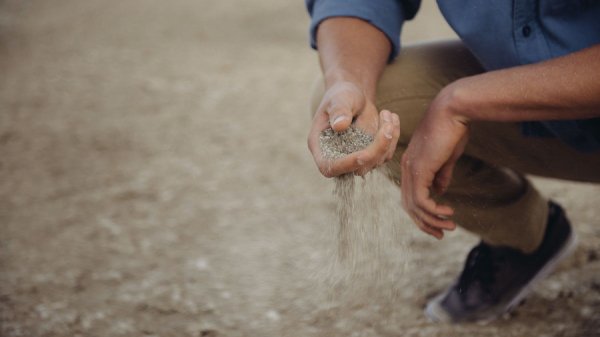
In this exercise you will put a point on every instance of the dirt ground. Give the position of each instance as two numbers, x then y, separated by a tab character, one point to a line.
154	181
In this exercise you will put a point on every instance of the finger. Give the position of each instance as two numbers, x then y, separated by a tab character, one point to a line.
387	118
416	214
395	136
340	118
443	178
408	206
435	221
417	182
422	199
437	233
336	167
341	103
372	154
386	122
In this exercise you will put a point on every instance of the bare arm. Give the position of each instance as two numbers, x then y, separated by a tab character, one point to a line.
353	54
352	50
567	87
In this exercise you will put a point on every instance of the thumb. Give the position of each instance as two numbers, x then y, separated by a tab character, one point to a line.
340	117
345	100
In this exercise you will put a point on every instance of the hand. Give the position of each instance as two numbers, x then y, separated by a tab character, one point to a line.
427	165
343	102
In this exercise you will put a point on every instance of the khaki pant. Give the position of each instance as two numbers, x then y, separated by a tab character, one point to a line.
489	192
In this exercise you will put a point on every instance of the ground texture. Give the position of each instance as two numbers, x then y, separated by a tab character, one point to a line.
154	181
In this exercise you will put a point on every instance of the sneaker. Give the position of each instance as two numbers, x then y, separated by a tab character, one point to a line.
496	279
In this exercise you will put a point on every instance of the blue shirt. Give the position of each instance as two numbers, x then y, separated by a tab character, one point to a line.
500	34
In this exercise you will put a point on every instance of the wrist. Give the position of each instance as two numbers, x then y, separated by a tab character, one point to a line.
453	102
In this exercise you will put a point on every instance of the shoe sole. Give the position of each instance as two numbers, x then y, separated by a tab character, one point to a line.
435	313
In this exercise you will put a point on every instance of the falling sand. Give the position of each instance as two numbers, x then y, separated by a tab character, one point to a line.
370	243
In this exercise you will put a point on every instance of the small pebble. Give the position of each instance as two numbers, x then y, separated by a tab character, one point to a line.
201	264
273	315
586	312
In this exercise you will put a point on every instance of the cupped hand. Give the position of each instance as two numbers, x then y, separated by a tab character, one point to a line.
343	104
427	166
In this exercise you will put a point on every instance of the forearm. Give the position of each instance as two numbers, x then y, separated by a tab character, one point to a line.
563	88
352	50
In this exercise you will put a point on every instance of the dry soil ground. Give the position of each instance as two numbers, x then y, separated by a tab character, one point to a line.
154	181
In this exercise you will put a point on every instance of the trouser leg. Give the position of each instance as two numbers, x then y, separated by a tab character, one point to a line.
489	192
482	195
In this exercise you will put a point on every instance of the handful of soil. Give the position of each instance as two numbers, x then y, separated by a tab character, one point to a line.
335	145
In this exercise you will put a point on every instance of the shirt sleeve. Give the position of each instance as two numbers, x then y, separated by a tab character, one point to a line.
386	15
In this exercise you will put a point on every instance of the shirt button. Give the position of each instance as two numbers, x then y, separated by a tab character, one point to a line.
526	30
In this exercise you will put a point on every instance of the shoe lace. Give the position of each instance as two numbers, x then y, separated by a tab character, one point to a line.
479	267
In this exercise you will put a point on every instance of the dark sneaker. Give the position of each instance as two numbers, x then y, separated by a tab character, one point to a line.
496	279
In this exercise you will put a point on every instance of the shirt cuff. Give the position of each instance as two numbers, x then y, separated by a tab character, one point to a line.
385	15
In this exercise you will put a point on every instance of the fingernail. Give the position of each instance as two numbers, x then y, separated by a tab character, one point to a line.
388	132
396	119
360	161
338	119
386	116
